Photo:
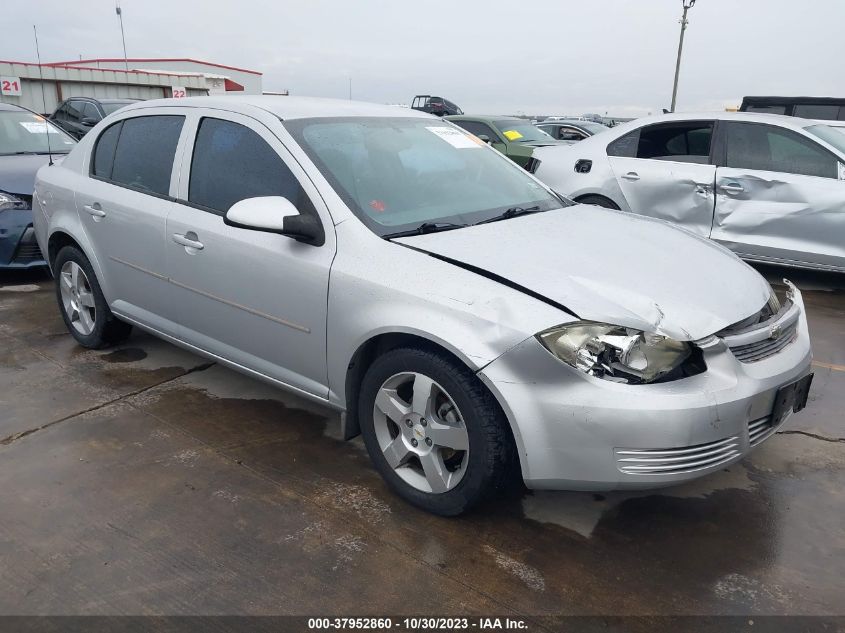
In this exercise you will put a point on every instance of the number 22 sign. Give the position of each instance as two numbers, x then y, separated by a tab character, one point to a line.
178	92
10	86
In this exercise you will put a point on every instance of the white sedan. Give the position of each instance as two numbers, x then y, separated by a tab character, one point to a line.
769	187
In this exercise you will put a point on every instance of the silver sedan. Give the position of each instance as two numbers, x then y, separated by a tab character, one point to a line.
470	323
769	187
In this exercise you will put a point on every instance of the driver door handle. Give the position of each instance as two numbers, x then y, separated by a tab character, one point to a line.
189	240
732	188
631	175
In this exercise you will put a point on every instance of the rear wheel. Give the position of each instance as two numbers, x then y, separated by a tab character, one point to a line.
599	201
82	304
434	432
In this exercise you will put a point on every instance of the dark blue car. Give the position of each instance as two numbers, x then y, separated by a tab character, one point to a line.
23	150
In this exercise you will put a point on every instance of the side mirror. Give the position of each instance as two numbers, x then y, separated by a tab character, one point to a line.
484	137
89	121
274	214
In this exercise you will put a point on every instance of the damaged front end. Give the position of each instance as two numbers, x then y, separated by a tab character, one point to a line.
621	354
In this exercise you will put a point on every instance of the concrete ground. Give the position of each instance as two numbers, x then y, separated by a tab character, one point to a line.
145	480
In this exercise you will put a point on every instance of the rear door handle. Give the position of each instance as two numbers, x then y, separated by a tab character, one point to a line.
732	188
189	240
631	175
95	210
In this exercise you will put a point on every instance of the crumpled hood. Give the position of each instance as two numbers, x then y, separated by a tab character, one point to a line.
612	267
17	173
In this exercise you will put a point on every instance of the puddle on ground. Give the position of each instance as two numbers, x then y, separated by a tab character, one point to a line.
581	511
126	355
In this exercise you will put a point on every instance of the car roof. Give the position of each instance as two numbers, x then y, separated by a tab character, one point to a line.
484	117
285	108
750	117
8	107
567	122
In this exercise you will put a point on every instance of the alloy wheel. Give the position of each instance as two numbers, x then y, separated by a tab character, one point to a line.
77	298
421	432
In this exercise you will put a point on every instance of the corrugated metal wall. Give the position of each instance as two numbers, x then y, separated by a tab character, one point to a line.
61	83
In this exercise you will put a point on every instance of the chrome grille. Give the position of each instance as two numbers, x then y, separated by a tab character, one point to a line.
759	350
673	461
759	430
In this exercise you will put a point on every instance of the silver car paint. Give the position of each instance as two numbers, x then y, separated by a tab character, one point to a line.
606	266
783	218
571	421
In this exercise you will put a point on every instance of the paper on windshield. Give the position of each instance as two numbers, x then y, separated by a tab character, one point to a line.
512	135
35	128
454	137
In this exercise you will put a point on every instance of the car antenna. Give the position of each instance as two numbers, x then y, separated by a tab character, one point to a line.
43	97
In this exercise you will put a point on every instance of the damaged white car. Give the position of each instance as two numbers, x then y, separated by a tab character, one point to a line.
470	323
769	187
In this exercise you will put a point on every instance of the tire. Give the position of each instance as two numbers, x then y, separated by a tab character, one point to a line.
599	201
460	412
81	302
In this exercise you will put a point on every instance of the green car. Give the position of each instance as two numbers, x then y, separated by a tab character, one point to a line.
515	138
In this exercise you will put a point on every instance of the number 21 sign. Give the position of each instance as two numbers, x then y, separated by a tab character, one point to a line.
10	86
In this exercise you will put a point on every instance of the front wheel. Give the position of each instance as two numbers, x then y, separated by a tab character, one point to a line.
433	431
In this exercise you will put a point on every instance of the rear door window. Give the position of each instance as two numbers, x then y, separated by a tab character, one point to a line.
89	111
144	153
232	162
686	142
73	110
764	147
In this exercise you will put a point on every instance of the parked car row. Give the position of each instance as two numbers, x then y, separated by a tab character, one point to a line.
473	325
77	115
26	143
515	138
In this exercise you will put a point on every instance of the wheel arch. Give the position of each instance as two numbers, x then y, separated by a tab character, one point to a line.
57	241
586	195
380	343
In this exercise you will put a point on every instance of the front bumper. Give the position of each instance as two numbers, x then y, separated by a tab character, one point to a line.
578	432
18	246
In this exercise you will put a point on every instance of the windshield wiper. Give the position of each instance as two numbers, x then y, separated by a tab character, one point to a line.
511	213
426	227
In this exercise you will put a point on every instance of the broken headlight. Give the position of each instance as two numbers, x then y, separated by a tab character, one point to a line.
615	353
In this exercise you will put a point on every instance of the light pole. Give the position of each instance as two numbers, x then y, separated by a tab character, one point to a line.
122	36
688	4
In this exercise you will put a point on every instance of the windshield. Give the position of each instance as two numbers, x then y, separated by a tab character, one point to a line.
398	173
521	131
108	108
23	132
831	135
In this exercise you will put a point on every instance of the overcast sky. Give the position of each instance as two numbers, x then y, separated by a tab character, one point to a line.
489	56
